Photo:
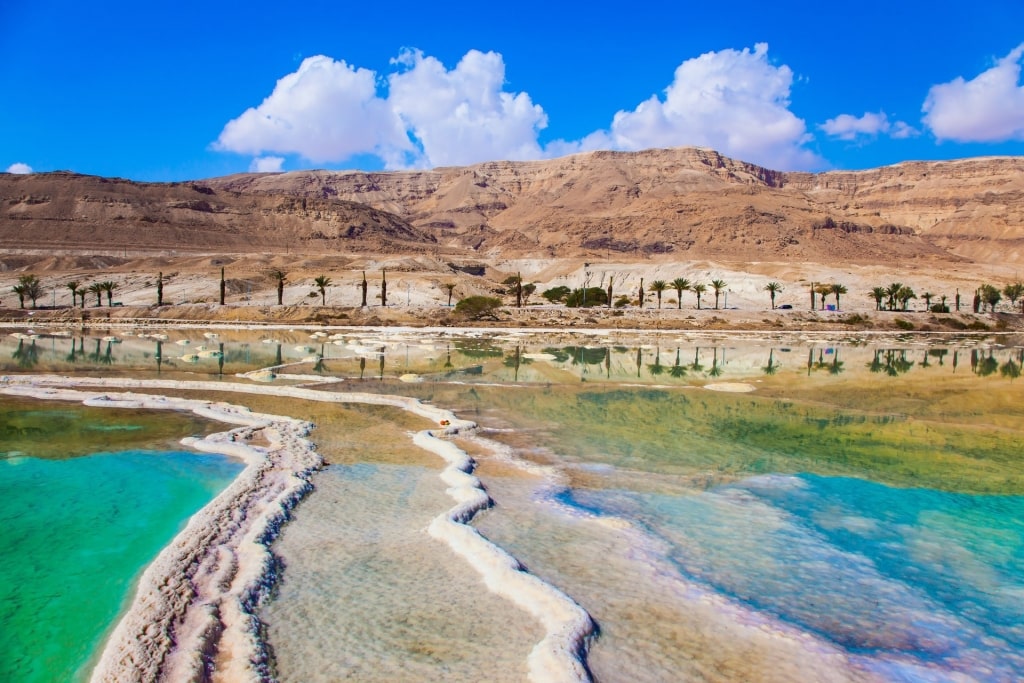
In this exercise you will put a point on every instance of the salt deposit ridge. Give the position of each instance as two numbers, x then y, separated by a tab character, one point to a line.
196	603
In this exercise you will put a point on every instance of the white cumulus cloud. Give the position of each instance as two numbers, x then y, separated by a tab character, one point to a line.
268	164
424	114
734	101
987	108
325	111
849	127
329	111
463	115
19	168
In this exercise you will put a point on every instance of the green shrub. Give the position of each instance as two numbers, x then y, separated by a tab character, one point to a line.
592	296
621	301
478	307
903	324
556	294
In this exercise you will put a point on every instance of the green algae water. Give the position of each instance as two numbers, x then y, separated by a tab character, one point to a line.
77	532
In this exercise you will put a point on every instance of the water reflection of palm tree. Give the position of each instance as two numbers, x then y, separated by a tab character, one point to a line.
108	358
73	354
715	370
639	360
607	362
772	367
695	365
382	365
220	359
448	358
95	355
27	356
159	355
277	356
362	366
876	364
940	354
1010	370
956	359
656	368
924	360
677	370
837	366
988	365
897	363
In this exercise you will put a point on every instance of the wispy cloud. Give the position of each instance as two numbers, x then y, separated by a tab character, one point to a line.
870	125
987	108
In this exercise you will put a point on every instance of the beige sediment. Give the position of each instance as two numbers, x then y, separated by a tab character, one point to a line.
196	603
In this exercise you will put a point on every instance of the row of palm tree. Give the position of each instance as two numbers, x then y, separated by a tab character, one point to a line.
30	287
897	296
682	284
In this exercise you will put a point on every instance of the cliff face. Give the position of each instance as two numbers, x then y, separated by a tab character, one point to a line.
685	203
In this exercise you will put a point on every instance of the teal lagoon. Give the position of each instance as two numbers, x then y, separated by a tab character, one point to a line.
76	535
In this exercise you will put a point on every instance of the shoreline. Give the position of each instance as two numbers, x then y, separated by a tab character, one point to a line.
203	590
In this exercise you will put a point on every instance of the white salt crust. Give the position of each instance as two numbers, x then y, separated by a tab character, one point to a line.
194	610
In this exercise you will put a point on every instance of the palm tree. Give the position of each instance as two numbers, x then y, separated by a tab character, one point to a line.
159	289
450	286
893	291
108	287
73	286
927	296
31	288
364	286
878	294
610	281
281	277
718	286
823	291
384	288
97	289
837	289
773	288
659	286
681	284
699	289
905	294
322	283
19	289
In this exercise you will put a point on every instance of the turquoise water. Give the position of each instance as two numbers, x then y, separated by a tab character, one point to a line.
76	534
901	579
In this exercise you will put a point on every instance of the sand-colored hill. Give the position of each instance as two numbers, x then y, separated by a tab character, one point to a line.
693	203
73	213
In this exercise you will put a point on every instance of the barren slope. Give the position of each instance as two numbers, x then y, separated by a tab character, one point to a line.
693	203
65	211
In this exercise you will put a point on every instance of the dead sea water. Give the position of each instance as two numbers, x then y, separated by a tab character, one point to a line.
856	516
80	524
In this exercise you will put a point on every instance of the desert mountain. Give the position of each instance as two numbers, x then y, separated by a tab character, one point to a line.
683	203
75	213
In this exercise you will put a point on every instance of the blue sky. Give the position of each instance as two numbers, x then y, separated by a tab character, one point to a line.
162	91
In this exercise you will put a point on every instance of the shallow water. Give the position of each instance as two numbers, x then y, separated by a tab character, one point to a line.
368	595
857	516
77	533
